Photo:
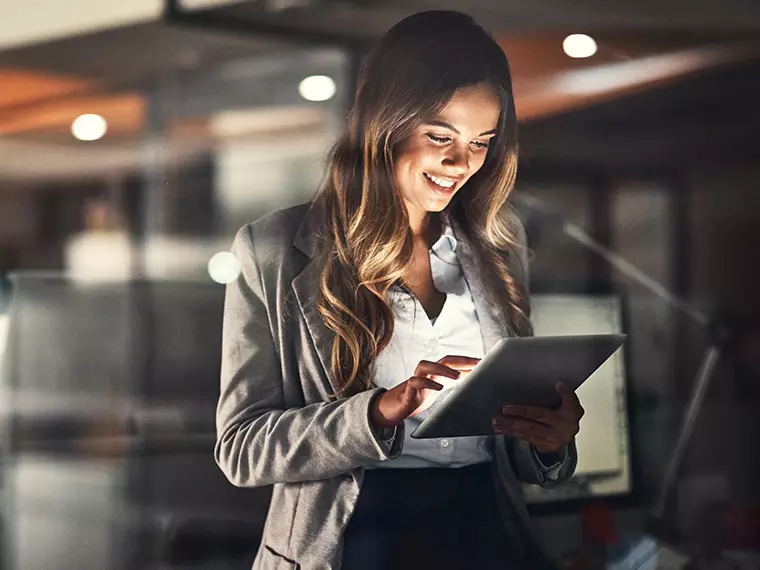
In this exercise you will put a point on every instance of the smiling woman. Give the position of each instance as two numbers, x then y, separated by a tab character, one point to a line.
350	313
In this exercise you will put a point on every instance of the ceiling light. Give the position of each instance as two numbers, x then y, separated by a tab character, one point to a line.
317	88
579	46
224	267
89	127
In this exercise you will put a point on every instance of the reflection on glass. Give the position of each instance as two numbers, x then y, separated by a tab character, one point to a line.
603	461
111	383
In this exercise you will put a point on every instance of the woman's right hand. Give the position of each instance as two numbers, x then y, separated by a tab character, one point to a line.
417	392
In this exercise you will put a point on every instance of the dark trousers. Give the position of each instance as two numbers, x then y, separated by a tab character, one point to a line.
424	519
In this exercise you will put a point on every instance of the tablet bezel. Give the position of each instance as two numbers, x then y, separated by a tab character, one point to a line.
525	386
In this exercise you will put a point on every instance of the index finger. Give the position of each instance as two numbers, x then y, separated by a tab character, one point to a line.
459	362
535	413
569	397
427	368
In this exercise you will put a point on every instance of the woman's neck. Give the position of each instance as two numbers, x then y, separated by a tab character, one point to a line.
426	229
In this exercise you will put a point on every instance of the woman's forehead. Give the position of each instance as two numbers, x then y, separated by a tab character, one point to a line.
474	109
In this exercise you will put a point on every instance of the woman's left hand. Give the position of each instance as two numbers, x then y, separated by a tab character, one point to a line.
546	429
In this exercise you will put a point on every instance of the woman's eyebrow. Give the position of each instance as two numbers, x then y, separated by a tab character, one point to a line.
445	125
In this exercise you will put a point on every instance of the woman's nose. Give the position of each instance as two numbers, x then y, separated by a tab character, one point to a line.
456	161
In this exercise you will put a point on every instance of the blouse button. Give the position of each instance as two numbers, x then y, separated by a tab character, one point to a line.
444	443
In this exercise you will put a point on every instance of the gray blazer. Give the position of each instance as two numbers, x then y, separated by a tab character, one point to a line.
277	423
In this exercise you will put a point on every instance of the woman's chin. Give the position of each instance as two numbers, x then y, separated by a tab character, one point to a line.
436	209
438	204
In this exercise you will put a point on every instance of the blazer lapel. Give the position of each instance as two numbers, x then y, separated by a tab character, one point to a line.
490	318
306	290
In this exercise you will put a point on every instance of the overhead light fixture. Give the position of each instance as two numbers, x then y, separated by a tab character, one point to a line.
89	127
224	267
317	88
579	46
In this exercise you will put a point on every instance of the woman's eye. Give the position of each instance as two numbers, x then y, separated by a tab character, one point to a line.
480	144
437	139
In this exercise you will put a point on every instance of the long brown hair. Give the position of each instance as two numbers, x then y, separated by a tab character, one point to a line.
406	79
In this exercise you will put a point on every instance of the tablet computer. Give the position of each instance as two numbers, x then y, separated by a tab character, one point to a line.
518	370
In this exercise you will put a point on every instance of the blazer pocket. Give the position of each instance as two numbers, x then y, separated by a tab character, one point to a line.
273	560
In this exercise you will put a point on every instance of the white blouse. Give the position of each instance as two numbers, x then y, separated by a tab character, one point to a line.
456	331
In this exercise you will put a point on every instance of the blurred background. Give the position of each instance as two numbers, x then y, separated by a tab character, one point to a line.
137	137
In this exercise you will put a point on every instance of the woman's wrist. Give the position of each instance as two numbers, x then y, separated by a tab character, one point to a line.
376	418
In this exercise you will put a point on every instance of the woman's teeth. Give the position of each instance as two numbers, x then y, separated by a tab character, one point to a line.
442	182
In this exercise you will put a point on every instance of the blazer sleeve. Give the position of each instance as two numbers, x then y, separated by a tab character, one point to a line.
525	461
529	469
259	440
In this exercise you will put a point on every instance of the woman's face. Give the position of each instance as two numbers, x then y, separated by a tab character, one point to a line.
437	160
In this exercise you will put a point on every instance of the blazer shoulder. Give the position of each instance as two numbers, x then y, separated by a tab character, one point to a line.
517	228
281	225
272	235
516	225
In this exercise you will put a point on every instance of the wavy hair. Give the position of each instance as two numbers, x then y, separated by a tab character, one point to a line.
404	81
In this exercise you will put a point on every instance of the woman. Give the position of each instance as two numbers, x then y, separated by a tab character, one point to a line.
353	311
